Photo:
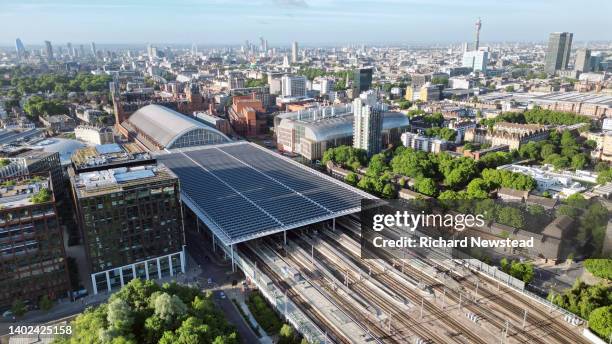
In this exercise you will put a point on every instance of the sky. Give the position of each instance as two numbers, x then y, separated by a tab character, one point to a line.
305	21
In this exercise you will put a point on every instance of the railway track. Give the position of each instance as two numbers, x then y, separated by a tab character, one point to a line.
307	308
390	308
429	306
339	301
514	308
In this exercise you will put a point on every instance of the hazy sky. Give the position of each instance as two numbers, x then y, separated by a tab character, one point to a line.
307	21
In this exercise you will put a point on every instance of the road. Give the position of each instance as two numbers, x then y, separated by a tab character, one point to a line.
223	277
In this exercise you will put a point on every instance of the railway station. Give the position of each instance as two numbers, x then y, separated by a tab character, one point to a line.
294	233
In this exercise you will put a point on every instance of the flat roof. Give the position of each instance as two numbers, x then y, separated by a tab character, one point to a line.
242	191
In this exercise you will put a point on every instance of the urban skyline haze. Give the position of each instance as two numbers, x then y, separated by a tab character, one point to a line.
307	21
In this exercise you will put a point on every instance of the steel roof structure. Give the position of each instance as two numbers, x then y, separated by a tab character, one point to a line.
242	191
166	126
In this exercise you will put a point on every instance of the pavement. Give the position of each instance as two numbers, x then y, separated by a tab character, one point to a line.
220	272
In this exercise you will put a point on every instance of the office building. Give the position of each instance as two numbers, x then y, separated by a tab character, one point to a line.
94	52
20	49
32	257
130	221
294	52
367	125
311	131
293	86
49	50
477	60
35	162
362	79
558	52
583	61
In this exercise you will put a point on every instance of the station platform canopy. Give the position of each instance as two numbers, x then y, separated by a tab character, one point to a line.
242	191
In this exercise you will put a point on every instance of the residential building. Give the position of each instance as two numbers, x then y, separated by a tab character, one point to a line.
58	123
32	257
423	143
501	137
558	52
367	127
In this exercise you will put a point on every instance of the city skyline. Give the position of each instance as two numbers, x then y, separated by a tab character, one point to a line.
306	21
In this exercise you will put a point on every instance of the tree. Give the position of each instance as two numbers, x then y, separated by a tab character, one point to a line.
478	188
45	303
18	308
600	321
286	335
119	315
351	178
426	186
579	161
388	191
169	308
198	322
509	88
599	267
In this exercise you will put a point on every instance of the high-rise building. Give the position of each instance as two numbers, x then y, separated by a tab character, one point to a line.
81	50
362	79
69	48
367	125
477	60
94	52
32	257
19	48
583	60
49	50
129	217
293	86
558	52
477	41
294	52
35	162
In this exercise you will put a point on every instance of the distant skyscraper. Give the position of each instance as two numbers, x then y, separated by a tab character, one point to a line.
94	52
362	80
294	52
557	55
583	60
19	48
69	47
367	123
477	41
49	50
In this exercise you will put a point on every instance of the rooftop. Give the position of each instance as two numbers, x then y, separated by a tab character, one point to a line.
242	191
165	126
17	192
95	183
109	155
